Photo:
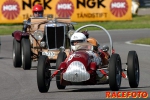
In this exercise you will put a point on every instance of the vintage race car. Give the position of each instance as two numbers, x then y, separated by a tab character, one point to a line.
43	36
79	69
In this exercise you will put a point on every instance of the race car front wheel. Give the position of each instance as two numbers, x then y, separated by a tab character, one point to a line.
133	70
43	74
16	53
115	70
26	53
61	57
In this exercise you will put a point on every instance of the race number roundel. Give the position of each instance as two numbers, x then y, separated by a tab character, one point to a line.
119	7
64	8
10	9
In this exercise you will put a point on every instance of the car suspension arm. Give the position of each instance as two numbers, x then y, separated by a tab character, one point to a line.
54	74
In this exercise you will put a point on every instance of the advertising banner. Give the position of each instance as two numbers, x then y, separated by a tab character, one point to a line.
15	11
102	10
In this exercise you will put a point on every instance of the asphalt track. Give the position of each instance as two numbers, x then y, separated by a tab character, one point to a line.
18	84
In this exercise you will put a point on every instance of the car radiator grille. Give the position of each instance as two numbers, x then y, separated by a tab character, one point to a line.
55	37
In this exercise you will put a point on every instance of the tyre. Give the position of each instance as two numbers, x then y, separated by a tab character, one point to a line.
133	70
61	57
43	74
26	54
115	70
17	62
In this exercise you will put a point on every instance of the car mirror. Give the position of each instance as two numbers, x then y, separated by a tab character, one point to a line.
62	49
105	48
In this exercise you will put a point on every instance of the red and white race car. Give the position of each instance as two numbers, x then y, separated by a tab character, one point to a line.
78	68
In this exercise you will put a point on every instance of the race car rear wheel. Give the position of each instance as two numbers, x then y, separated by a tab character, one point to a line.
17	62
115	70
43	74
61	57
133	70
26	53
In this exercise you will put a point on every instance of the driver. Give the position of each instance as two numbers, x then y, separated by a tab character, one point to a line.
102	53
95	52
77	38
37	12
80	38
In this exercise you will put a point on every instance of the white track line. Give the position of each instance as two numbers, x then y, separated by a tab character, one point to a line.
129	42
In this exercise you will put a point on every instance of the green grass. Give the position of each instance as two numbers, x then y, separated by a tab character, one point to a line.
136	23
8	29
142	41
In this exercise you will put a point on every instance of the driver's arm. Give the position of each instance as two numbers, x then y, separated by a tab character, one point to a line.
25	25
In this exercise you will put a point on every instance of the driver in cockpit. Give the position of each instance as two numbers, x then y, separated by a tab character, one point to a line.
38	11
101	51
81	38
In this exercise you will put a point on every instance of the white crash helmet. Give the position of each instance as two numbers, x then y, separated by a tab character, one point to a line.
78	36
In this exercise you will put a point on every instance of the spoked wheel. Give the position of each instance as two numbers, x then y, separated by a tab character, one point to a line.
61	57
43	74
115	70
133	70
17	62
26	53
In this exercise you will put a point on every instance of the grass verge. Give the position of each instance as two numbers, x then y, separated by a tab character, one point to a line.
142	41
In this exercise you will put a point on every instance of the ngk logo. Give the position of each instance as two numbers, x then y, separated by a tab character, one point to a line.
64	8
10	9
119	7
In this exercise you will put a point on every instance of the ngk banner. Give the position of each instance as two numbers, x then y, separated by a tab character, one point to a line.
15	11
101	10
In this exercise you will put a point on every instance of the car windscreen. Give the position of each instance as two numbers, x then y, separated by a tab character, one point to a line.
84	46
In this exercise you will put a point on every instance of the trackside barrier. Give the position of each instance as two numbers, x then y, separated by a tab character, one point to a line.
15	11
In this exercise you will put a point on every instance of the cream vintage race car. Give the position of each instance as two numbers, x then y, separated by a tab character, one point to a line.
43	36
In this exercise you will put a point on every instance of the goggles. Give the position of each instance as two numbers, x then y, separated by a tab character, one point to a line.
40	13
76	41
